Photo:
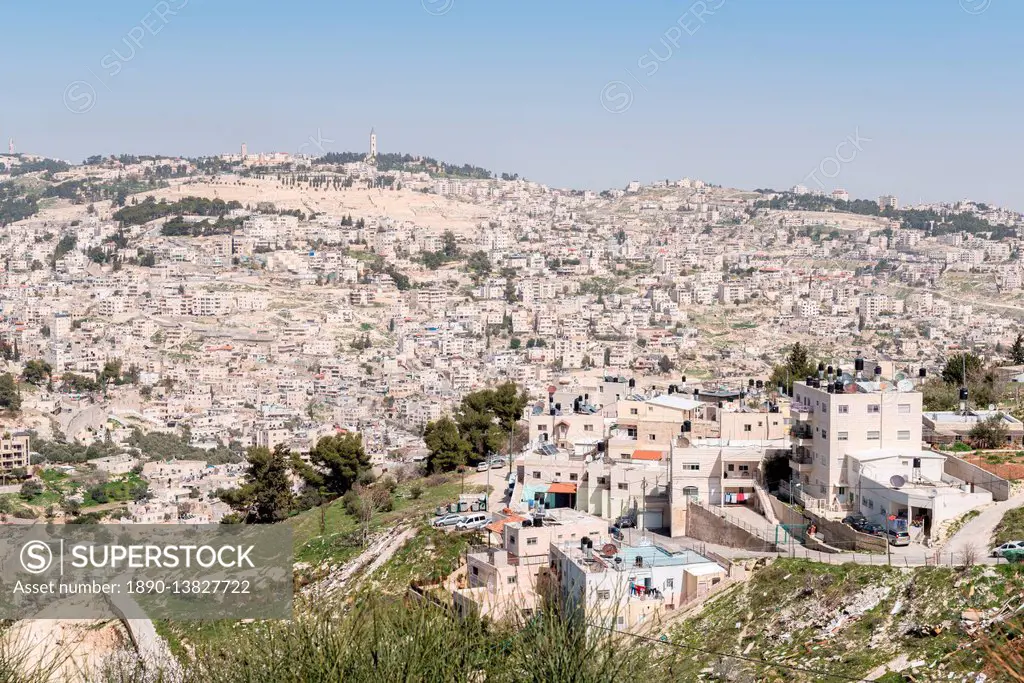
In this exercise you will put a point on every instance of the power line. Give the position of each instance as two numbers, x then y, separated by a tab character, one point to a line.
752	660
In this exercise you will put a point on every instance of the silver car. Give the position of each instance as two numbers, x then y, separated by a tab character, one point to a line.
448	520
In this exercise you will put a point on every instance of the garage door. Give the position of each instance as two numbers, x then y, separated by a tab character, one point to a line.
652	519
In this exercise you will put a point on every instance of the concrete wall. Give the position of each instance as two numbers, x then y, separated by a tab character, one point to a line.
972	474
706	526
845	537
835	533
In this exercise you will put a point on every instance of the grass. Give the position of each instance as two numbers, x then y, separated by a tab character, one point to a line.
337	543
1011	527
428	557
784	614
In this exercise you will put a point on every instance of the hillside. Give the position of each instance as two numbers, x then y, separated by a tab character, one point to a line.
850	621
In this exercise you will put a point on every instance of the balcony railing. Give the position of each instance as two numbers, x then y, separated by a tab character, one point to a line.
801	432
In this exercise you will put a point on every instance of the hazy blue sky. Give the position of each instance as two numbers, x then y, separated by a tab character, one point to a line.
754	93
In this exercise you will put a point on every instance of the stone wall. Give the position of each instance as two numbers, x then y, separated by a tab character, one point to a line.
972	474
704	525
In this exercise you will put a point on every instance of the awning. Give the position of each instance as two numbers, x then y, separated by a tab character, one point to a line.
647	455
561	487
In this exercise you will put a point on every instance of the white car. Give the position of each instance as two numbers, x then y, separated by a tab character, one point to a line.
999	551
483	467
477	520
448	520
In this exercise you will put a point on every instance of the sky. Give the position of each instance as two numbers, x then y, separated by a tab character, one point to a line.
918	98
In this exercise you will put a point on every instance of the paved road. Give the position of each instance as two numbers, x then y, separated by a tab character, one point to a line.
977	533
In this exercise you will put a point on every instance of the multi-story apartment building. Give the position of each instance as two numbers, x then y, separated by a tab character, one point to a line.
834	419
14	451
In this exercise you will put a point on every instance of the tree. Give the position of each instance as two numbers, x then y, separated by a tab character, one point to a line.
30	489
798	366
36	372
10	397
953	372
337	462
515	343
448	449
989	433
1017	350
479	263
266	495
666	365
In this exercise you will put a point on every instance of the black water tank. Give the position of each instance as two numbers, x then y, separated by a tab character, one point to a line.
600	446
750	382
632	383
922	373
963	393
687	426
878	371
858	365
671	388
759	384
684	379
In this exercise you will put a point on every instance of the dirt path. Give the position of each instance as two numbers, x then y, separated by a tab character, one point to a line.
367	562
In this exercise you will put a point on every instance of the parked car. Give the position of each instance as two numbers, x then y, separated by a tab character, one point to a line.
1001	550
483	467
498	464
626	523
448	520
855	520
873	529
477	520
898	537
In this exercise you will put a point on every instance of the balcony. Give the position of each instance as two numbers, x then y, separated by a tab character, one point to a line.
801	431
801	460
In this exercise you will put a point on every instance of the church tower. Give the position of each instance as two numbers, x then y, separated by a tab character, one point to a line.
373	144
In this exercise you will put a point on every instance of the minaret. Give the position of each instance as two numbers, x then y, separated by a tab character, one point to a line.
10	146
373	144
245	151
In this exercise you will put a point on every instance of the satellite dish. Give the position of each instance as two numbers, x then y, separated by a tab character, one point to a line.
905	385
899	377
897	481
589	458
846	378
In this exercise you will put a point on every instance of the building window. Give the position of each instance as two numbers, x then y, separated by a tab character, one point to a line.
602	481
476	571
823	434
632	411
842	490
690	492
843	436
844	409
511	579
692	467
904	409
573	476
536	475
542	428
623	486
747	428
588	428
652	437
874	408
669	584
532	540
604	595
874	436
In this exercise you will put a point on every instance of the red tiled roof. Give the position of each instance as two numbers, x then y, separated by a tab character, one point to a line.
562	487
647	455
499	524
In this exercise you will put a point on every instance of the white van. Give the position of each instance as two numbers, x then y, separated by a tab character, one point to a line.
475	520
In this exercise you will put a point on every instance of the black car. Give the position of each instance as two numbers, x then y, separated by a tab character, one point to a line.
626	522
873	529
855	520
